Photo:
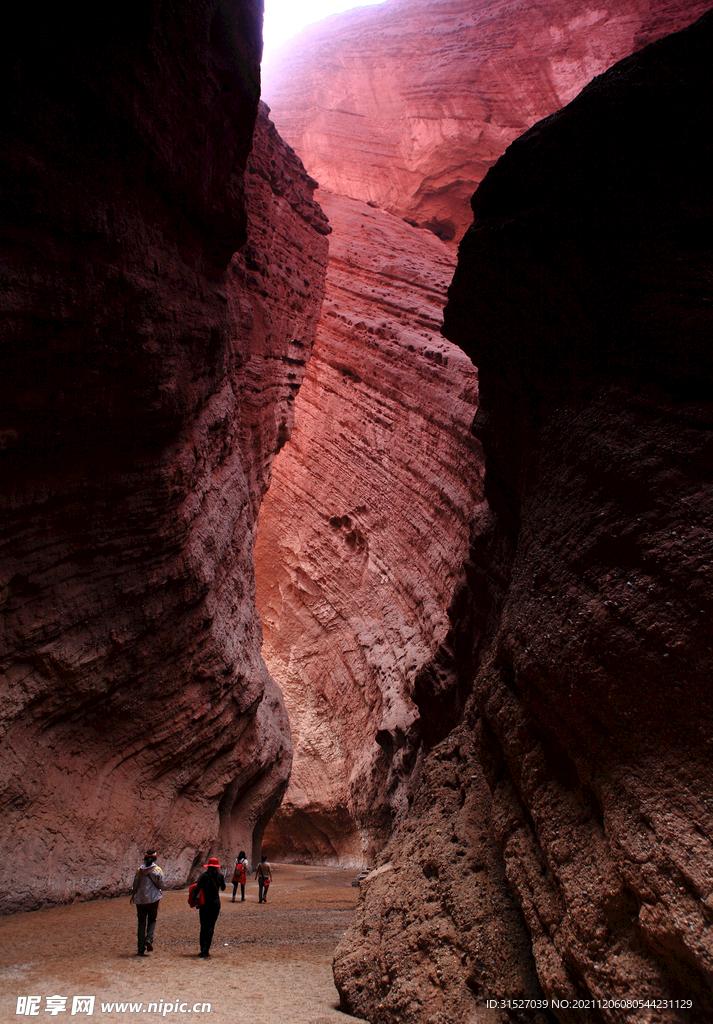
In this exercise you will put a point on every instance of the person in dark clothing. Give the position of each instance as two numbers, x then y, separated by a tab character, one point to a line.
264	877
210	883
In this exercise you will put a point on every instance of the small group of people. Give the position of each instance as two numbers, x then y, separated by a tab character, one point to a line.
147	890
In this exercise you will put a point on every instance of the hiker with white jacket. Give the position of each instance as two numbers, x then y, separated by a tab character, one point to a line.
145	895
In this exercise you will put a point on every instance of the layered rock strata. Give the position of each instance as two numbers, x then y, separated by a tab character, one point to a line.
363	533
143	396
276	286
364	97
583	295
408	103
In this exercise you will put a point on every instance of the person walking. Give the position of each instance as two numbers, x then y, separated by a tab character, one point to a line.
145	895
240	875
210	883
264	877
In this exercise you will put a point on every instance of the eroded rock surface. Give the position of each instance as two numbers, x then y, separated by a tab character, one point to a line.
448	923
583	295
143	397
408	103
381	103
276	286
363	532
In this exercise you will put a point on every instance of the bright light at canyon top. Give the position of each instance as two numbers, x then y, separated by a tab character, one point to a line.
285	18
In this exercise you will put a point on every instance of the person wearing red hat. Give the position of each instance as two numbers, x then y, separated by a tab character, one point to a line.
209	885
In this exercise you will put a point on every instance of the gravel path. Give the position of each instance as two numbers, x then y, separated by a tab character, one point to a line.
270	964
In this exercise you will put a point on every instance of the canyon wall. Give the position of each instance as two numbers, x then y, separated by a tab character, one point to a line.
381	103
146	385
408	103
583	295
363	533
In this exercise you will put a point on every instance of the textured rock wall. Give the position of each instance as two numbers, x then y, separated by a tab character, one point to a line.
276	287
407	104
382	102
363	532
136	707
583	295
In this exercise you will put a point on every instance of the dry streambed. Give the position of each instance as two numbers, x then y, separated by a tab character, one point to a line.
270	964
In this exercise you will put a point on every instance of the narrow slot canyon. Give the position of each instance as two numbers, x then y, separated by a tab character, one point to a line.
356	507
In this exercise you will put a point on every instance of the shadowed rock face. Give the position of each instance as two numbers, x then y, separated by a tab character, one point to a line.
407	104
364	531
583	295
146	385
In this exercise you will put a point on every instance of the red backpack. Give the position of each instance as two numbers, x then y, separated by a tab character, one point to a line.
195	900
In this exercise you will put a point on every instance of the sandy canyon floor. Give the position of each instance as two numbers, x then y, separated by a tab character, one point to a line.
270	964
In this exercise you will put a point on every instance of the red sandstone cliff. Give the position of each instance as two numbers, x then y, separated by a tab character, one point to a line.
275	290
583	295
407	104
363	532
145	388
381	102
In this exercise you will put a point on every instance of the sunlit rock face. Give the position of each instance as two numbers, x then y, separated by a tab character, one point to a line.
583	295
144	394
275	290
408	103
363	533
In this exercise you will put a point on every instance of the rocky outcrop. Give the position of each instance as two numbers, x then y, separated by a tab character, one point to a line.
408	103
275	290
583	295
144	394
363	533
447	923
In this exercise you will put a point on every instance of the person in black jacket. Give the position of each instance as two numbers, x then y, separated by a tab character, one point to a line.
210	883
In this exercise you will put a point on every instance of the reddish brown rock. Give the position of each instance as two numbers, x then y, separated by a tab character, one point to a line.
143	397
503	48
275	290
363	533
408	103
447	921
583	294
